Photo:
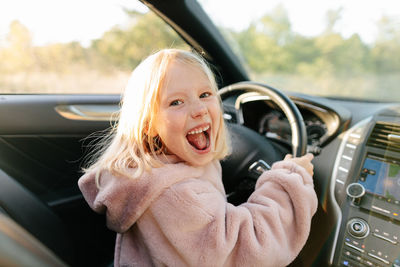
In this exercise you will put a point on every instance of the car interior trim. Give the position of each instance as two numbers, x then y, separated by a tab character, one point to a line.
88	112
335	180
250	97
310	106
19	248
34	216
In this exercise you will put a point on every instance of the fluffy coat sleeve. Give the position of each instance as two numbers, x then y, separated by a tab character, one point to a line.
268	230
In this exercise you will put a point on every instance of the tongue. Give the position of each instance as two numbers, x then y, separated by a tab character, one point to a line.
199	141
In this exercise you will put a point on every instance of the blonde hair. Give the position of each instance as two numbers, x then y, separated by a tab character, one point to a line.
129	143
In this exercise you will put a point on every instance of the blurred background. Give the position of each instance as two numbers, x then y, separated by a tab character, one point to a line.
344	49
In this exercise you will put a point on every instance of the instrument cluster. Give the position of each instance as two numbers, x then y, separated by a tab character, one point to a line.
267	119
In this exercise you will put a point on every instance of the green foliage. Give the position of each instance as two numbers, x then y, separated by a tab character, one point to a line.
121	48
270	49
385	53
127	47
262	52
270	46
18	55
264	43
327	64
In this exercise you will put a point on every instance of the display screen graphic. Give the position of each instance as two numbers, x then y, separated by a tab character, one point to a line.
381	178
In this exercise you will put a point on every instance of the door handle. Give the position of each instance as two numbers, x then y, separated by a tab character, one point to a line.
89	112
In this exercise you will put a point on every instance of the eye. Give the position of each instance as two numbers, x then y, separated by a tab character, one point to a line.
175	103
205	94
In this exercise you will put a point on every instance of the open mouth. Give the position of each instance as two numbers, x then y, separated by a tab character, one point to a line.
199	138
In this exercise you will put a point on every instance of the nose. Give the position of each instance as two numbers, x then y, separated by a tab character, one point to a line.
199	109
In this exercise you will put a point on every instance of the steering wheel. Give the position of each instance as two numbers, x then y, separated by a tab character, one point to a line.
250	148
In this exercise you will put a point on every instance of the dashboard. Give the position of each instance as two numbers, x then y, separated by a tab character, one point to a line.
262	115
358	174
366	187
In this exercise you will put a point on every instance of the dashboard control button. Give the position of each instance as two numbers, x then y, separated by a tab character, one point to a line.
385	211
355	191
385	238
354	247
358	228
378	258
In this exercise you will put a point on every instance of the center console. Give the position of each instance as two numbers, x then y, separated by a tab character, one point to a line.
366	186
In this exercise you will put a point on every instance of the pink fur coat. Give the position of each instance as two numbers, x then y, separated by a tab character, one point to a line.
177	215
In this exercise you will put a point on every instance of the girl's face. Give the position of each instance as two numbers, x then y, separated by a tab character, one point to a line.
189	113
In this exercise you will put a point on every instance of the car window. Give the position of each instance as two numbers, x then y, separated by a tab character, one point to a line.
329	48
76	47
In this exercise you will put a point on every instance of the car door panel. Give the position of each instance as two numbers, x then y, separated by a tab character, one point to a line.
41	153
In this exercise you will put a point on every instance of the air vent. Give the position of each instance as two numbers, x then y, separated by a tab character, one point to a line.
385	136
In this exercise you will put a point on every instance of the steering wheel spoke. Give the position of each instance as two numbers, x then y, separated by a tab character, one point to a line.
258	167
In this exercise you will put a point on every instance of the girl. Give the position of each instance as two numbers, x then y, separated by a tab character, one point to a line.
159	179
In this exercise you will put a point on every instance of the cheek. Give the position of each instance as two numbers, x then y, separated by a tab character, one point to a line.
216	110
169	123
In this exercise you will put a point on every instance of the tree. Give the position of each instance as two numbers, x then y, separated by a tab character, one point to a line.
263	42
17	55
386	51
332	17
62	57
277	25
127	47
303	51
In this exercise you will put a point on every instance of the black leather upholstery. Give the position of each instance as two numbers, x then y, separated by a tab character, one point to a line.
36	217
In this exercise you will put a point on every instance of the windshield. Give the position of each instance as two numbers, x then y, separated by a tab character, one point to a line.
328	48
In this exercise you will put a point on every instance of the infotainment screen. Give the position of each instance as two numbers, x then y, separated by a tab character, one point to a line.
381	177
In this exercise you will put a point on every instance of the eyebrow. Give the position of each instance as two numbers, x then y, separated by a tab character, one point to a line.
175	95
180	92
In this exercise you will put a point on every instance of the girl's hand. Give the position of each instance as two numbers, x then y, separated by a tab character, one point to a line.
304	161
